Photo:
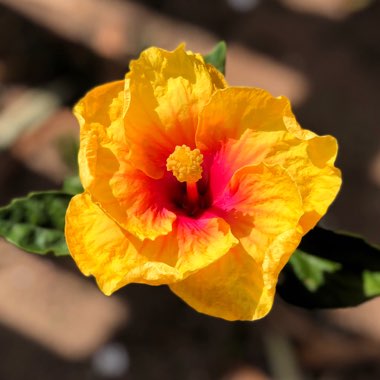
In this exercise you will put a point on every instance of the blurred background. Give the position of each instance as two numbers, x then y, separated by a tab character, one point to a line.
54	324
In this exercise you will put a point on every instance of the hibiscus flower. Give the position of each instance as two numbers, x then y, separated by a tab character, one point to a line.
194	184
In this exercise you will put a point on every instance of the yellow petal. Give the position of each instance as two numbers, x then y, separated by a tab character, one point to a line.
231	111
124	192
201	242
231	288
262	204
138	203
246	126
99	114
167	92
250	149
115	258
311	165
103	104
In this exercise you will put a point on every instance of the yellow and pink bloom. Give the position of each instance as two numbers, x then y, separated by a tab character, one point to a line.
194	184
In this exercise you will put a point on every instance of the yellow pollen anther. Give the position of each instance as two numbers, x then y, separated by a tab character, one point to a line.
186	164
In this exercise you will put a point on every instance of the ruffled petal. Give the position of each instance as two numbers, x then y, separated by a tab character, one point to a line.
114	257
250	149
102	105
311	164
138	203
202	241
231	288
243	126
135	201
167	92
262	205
233	110
99	115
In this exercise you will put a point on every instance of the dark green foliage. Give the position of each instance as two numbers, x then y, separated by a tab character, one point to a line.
36	223
331	270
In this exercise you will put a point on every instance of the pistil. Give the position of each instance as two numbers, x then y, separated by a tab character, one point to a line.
186	166
192	193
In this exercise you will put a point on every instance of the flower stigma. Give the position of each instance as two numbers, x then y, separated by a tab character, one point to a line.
186	166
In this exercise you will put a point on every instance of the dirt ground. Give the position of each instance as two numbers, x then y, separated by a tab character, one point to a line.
55	324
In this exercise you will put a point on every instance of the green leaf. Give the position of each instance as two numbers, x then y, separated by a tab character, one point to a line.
217	56
330	270
371	283
72	185
36	223
311	270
